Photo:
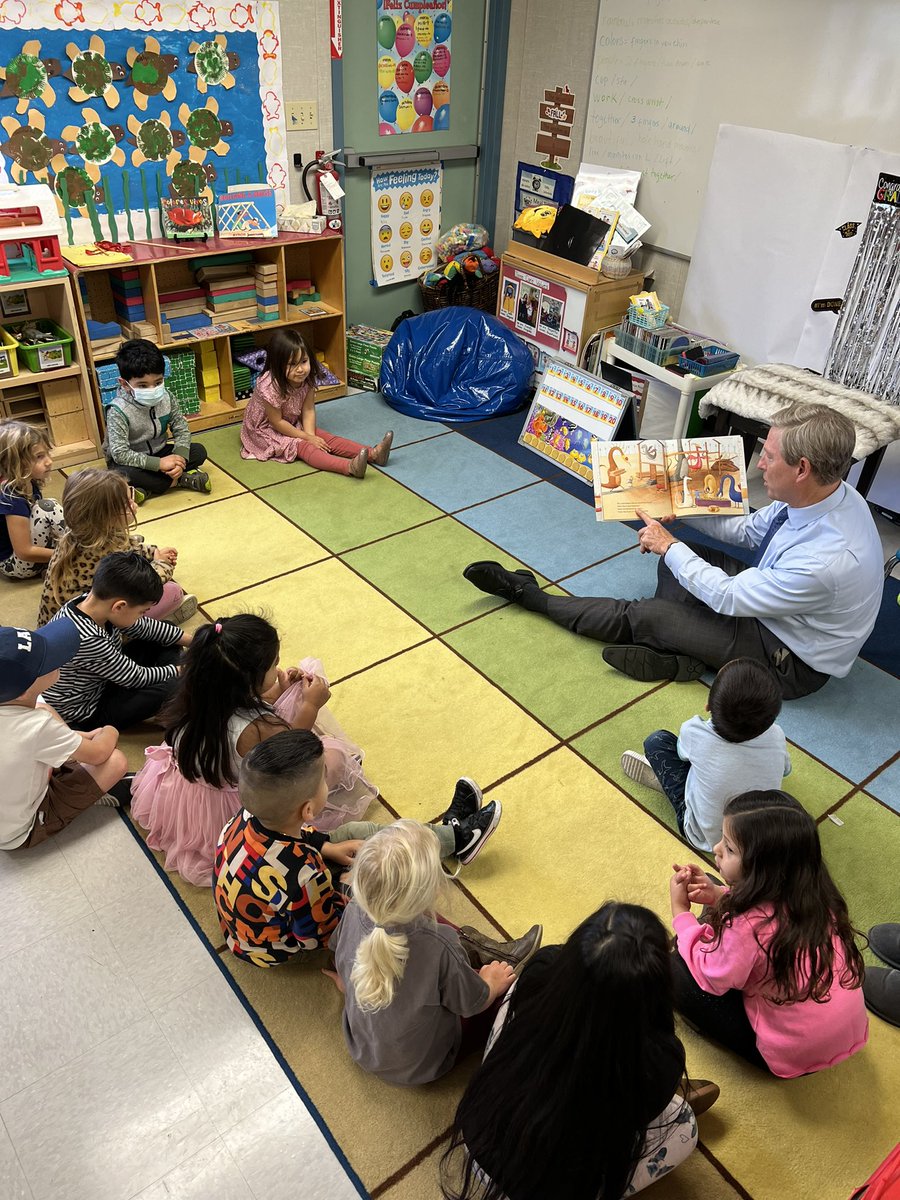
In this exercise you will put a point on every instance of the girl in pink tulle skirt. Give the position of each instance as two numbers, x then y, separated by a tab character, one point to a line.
233	695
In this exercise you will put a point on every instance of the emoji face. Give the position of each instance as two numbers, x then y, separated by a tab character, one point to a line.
384	234
406	231
425	226
406	201
384	203
387	263
427	198
405	260
425	255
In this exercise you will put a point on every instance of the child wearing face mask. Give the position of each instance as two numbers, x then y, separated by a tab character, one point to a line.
280	418
147	438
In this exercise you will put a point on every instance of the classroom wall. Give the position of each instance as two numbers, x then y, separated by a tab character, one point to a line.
306	69
547	48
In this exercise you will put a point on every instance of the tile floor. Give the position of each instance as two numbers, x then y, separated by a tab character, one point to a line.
132	1069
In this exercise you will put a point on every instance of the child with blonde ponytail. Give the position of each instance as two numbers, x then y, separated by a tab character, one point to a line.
408	982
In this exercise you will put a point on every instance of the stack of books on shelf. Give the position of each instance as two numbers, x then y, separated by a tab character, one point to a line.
266	277
230	286
301	291
182	309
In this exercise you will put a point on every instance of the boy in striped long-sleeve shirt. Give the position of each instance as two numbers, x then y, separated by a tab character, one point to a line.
107	683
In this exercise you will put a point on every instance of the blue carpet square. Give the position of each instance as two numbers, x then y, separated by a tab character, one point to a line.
365	417
548	530
886	786
453	472
851	724
628	576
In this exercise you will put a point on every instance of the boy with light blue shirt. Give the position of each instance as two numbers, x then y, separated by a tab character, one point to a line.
739	749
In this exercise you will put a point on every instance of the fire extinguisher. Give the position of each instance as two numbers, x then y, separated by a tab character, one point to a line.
327	195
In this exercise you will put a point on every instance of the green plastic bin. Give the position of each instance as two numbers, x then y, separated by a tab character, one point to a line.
48	356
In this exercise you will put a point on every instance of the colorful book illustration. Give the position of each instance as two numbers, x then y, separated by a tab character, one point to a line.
187	217
681	477
569	408
247	213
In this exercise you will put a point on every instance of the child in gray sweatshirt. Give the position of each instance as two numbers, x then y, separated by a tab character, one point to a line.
147	438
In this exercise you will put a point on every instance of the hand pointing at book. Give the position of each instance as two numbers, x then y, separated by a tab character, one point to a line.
653	538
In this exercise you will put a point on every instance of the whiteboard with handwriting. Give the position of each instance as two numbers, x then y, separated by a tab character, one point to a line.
667	72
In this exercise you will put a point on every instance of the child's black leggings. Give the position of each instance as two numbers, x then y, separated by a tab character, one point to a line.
720	1018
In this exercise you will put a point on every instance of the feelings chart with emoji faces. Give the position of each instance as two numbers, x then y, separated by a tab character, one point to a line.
413	40
406	221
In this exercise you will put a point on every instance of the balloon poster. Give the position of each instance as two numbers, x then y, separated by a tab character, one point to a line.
406	221
413	65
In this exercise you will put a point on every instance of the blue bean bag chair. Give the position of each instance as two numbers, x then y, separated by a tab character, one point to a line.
455	364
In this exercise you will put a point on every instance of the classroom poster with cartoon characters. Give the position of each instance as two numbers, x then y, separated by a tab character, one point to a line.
406	221
569	410
120	104
413	65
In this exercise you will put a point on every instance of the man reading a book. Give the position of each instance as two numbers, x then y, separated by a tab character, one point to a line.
805	605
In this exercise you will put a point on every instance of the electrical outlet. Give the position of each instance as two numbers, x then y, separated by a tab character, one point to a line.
301	114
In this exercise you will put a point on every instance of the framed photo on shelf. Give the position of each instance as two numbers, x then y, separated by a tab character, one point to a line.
14	303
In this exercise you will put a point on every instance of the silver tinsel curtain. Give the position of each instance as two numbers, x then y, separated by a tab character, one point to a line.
865	349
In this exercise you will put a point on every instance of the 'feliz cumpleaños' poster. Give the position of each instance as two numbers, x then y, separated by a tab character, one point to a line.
413	65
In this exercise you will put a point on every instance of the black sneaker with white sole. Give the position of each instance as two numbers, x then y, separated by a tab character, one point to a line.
472	834
466	802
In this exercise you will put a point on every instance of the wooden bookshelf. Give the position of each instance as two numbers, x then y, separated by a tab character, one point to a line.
60	399
169	266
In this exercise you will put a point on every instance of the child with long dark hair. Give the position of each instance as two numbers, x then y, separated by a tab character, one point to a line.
232	695
280	418
775	973
582	1090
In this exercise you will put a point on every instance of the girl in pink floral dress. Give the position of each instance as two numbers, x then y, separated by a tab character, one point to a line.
280	418
232	694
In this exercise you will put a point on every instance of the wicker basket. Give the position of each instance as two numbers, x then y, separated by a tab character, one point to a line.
465	289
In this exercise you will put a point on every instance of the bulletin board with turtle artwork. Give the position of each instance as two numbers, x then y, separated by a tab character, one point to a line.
120	104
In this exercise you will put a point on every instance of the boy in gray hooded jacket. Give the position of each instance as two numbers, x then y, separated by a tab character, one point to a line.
147	438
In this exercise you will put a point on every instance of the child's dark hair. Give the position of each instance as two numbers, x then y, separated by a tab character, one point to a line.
222	672
283	347
783	869
280	774
586	1046
138	357
127	576
744	700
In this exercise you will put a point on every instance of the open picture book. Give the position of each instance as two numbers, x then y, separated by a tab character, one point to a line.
681	477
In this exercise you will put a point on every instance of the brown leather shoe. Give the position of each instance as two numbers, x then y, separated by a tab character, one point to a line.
483	950
382	452
358	465
701	1094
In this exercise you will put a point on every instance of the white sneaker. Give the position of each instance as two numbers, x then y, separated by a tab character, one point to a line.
107	801
638	768
184	611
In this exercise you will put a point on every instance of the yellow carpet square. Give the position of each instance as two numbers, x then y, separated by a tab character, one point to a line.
424	719
303	604
232	545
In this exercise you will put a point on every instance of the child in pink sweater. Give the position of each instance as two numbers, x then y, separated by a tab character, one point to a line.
775	974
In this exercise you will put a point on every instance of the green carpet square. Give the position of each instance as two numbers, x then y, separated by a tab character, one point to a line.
224	448
559	677
422	571
341	512
862	855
